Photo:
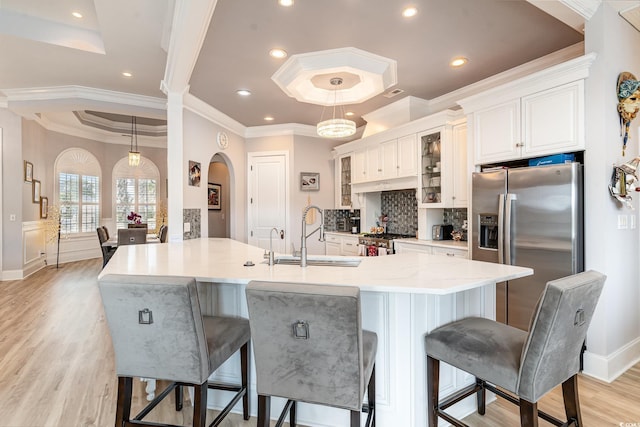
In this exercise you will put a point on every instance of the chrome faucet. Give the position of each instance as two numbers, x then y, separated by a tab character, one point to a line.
303	238
271	256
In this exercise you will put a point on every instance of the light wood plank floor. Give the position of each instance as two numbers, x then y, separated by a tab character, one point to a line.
57	363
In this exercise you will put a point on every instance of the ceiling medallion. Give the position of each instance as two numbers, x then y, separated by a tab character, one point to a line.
336	127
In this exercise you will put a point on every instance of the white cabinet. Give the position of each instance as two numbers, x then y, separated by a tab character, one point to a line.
404	247
343	181
349	245
450	252
407	159
431	247
395	158
340	244
443	167
460	171
359	166
546	122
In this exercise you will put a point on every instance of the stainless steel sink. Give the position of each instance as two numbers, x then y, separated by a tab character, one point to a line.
319	261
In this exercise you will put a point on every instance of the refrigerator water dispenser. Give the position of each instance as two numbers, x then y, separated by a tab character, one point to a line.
488	231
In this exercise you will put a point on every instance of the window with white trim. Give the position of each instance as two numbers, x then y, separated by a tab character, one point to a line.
136	190
78	176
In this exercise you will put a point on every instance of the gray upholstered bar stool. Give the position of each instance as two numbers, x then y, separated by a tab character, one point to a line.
309	346
158	332
526	365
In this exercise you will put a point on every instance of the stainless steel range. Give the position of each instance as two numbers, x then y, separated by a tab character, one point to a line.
375	244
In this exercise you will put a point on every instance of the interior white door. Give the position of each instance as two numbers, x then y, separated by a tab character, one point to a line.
268	200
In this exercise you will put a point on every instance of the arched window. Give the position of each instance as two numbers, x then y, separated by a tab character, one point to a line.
78	175
135	189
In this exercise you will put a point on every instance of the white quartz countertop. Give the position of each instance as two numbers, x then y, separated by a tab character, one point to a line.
222	260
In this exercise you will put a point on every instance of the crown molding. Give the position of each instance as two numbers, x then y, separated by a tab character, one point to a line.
450	100
201	108
586	8
280	130
96	134
26	101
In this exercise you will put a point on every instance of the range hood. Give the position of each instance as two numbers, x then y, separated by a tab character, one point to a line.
406	183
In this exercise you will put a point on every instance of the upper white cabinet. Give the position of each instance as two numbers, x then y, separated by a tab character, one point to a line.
443	166
395	158
536	115
547	122
343	181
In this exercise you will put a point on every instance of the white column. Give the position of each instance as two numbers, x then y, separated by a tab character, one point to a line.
175	164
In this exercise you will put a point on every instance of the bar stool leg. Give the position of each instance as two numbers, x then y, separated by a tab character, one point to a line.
179	397
528	414
264	410
244	367
200	405
371	395
433	382
123	407
481	396
355	418
292	414
571	401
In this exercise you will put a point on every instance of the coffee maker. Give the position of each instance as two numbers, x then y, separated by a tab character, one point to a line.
355	224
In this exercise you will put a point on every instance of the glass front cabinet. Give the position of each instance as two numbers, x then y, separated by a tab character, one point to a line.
432	167
343	180
443	166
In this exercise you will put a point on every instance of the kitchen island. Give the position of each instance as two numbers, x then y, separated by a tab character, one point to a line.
403	297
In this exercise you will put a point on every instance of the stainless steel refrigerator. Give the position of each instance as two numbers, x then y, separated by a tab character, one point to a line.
530	217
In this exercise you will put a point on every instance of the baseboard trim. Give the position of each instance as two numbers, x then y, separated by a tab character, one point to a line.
12	275
608	368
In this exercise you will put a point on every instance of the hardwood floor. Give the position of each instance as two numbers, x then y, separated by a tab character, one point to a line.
57	364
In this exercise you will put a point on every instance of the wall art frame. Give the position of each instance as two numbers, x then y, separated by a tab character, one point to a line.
214	196
35	191
309	181
28	171
44	207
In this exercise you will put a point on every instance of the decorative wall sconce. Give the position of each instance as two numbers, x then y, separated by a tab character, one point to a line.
628	91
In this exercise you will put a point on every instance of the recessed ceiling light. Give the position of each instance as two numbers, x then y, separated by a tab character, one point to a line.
410	11
76	15
285	3
243	92
349	113
127	74
278	53
458	62
268	118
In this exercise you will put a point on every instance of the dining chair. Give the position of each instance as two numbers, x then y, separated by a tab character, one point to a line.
132	236
107	251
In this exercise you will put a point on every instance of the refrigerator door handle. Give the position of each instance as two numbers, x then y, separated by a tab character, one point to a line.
501	199
508	202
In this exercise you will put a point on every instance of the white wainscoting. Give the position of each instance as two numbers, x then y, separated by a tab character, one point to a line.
33	245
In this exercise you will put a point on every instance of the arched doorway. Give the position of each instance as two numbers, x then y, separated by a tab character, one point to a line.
218	215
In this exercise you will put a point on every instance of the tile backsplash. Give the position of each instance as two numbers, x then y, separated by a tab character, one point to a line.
333	216
402	209
456	217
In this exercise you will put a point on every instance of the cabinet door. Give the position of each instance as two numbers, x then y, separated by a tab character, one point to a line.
553	120
451	252
389	159
349	245
374	163
331	248
460	169
359	166
407	156
343	182
496	131
401	247
432	167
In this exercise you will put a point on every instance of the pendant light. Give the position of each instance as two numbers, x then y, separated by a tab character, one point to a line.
336	128
134	155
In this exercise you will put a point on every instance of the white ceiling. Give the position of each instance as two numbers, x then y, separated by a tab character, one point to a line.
42	46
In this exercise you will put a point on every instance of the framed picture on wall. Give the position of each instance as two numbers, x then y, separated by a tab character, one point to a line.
194	173
44	207
309	181
214	200
35	191
28	171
